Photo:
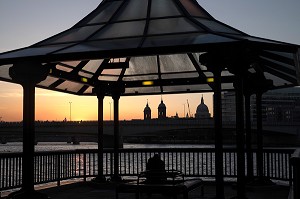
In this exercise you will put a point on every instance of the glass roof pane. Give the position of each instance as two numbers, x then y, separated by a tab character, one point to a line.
283	65
70	86
92	65
83	74
141	90
144	77
227	86
32	51
187	88
176	63
135	9
108	78
217	26
63	68
124	29
194	9
72	35
163	8
186	39
276	80
226	73
4	71
48	81
103	45
111	72
171	25
142	65
103	15
71	63
284	54
89	90
179	75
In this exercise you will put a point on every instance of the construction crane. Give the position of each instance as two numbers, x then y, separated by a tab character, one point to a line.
189	108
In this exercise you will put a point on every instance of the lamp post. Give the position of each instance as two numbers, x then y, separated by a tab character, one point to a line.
70	110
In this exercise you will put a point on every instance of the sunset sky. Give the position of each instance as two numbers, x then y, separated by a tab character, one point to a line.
25	22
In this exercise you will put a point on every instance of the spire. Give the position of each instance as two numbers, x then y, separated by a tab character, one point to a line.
202	100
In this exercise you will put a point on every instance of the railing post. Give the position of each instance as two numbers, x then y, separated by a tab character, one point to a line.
58	169
295	162
84	166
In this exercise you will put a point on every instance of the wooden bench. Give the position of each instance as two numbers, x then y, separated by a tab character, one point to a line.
183	187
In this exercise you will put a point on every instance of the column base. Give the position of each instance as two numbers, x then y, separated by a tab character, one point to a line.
99	179
116	178
24	194
261	181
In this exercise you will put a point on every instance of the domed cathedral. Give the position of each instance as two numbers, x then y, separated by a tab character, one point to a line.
202	111
147	112
162	110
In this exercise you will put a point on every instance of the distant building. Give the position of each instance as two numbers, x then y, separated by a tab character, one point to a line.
202	111
278	106
162	110
147	112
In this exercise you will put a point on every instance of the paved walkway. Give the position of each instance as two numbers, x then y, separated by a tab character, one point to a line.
89	190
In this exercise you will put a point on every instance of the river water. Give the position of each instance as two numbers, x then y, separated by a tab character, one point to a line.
60	146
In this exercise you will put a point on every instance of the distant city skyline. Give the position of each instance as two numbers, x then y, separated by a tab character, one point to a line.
26	22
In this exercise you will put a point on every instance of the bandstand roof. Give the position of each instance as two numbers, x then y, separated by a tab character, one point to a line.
152	47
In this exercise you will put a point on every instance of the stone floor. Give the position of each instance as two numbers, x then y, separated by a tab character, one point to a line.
90	190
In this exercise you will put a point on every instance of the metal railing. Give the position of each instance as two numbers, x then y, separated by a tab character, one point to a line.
295	164
192	162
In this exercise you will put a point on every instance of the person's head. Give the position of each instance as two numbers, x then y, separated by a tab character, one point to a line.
156	156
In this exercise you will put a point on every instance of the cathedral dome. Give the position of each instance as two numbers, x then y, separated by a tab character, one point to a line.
202	110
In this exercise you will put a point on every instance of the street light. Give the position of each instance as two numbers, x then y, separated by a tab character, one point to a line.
70	111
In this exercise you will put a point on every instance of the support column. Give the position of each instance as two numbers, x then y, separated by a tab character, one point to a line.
28	74
240	137
214	63
100	95
117	90
218	136
248	138
116	176
259	155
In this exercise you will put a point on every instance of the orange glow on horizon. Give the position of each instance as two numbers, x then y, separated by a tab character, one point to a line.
55	106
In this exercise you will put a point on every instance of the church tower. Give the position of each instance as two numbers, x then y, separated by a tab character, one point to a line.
147	112
162	110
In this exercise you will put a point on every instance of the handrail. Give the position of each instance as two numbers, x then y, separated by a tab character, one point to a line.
295	163
54	166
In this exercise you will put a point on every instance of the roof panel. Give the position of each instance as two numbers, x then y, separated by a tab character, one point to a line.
102	14
174	25
135	9
176	63
125	29
163	8
103	45
142	65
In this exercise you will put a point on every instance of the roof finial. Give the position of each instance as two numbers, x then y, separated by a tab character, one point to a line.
202	100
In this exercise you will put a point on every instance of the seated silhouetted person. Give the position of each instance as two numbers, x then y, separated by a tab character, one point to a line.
156	172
